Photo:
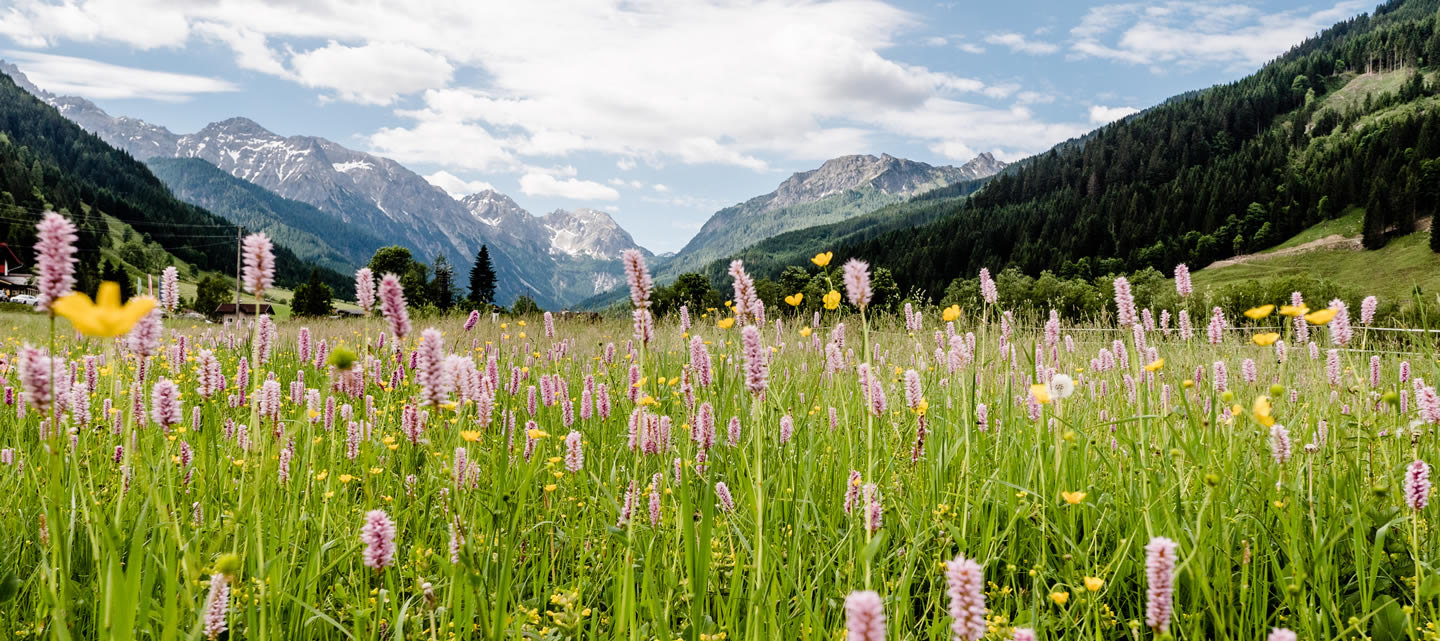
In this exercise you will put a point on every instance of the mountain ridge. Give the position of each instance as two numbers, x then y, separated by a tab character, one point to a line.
377	193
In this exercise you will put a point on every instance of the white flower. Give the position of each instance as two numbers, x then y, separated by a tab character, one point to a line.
1062	386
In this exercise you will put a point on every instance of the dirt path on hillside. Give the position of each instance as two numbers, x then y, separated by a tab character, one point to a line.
1333	241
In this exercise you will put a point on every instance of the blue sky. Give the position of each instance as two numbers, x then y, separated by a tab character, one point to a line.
658	111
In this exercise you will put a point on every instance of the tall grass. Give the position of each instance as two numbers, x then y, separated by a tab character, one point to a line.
1321	544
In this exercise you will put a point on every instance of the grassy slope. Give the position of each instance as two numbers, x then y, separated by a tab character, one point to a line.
1391	272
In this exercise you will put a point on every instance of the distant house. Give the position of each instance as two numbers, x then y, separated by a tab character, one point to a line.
230	311
13	280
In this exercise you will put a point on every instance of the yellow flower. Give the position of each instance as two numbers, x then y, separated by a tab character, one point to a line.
1257	313
1293	310
1073	498
105	317
1060	598
805	332
726	323
470	435
794	300
951	313
1262	411
1187	383
346	478
1155	365
822	259
832	300
1320	316
922	407
1041	392
536	433
1266	339
1094	583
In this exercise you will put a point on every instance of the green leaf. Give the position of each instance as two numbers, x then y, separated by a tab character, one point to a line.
9	587
1388	624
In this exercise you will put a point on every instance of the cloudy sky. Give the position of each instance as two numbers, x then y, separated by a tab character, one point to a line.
659	111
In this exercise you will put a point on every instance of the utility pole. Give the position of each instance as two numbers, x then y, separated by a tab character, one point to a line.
239	255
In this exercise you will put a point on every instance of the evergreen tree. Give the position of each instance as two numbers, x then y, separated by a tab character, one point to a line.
482	279
1434	237
442	289
1377	214
313	298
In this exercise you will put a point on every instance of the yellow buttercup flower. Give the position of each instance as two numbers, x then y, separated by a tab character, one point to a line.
1265	339
822	259
726	323
1094	583
1293	310
1073	498
951	313
104	317
1041	392
470	435
832	299
805	332
1155	365
1262	411
794	300
1257	313
1320	316
1060	598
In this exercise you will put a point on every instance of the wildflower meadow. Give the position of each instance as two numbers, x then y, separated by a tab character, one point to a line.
728	473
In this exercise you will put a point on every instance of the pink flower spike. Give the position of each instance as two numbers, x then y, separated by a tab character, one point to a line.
856	275
259	256
865	616
378	536
54	258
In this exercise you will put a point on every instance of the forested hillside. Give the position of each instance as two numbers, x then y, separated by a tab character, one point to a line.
314	235
48	162
1228	170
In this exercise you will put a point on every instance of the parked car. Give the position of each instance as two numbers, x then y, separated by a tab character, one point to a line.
25	299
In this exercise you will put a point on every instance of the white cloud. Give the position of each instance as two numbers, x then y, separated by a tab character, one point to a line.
250	47
970	47
544	184
373	73
1101	115
1191	34
660	188
142	24
935	41
1020	44
455	186
67	75
507	84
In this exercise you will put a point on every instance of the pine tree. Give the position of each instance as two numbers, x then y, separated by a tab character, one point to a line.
1377	214
482	279
442	288
1434	237
313	298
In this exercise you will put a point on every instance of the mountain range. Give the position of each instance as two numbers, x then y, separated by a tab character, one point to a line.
840	189
311	187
